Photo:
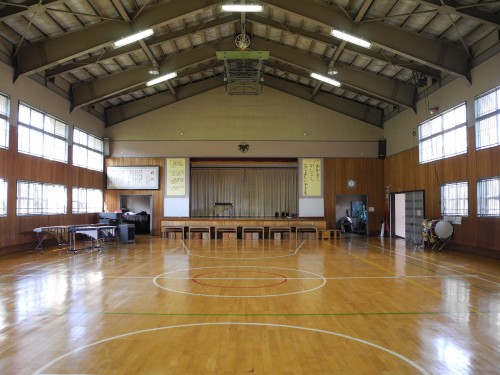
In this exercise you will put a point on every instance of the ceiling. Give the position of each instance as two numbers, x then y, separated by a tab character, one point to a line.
417	44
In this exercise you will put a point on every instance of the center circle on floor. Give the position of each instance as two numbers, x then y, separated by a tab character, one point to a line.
239	281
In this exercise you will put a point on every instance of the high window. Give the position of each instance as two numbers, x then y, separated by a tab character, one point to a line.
488	119
444	135
36	198
488	197
88	151
87	200
3	196
40	134
455	199
4	121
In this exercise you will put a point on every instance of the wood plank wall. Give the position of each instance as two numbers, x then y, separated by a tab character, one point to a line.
17	231
112	197
368	172
404	173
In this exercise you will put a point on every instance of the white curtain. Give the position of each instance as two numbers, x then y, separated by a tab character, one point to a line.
254	192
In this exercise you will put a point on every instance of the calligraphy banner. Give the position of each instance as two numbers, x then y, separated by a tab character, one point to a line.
311	177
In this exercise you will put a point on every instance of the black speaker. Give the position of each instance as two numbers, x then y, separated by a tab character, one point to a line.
381	148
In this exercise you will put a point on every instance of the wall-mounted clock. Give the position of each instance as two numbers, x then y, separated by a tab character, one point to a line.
351	183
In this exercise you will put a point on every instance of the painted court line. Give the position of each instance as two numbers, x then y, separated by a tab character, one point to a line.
413	364
242	258
316	277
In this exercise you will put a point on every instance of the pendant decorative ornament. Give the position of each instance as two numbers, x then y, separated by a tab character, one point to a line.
243	147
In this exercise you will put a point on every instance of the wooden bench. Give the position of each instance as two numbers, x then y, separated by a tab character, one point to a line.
192	229
252	229
330	234
166	229
307	232
226	229
281	230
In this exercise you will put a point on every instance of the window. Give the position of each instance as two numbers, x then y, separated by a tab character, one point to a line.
36	198
3	196
488	197
87	200
455	199
443	136
42	135
488	119
88	151
4	121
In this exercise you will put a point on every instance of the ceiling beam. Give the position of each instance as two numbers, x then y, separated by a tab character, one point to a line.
49	52
140	107
329	40
26	8
350	108
469	11
150	42
111	86
371	84
434	53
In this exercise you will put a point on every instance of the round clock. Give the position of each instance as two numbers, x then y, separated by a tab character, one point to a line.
351	183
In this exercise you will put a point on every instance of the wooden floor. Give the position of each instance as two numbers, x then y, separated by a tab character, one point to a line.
353	306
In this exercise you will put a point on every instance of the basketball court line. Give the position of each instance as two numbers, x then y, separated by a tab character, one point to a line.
435	264
317	277
315	330
233	258
439	294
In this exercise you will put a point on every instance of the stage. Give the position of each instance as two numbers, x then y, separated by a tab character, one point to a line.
241	227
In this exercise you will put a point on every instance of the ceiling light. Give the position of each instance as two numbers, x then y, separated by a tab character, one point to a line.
351	39
325	79
241	8
133	38
162	78
153	70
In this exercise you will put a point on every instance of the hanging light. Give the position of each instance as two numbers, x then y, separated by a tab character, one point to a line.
162	78
350	38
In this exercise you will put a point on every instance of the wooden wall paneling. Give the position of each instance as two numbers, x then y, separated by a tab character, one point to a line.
18	230
112	197
404	173
369	174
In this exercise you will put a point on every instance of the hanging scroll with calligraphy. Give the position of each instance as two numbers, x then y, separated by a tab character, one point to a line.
133	177
311	178
176	177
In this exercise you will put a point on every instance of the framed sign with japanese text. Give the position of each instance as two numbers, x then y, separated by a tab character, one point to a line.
312	177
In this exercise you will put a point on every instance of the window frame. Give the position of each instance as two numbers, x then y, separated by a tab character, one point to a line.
89	151
439	137
5	117
76	203
451	205
482	118
492	197
36	202
4	187
32	130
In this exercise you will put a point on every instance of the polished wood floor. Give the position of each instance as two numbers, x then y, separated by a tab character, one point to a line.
353	306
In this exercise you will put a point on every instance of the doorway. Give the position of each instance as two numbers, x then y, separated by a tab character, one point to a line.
407	214
350	213
141	208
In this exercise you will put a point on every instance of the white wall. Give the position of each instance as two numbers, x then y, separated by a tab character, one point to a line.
40	97
398	130
275	124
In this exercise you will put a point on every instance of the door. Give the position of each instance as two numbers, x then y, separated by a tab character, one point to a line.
414	215
400	215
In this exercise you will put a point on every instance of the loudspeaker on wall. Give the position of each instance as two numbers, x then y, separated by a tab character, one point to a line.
381	148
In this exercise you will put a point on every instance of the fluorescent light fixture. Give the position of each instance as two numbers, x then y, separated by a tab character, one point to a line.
162	78
351	39
133	38
241	8
325	79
